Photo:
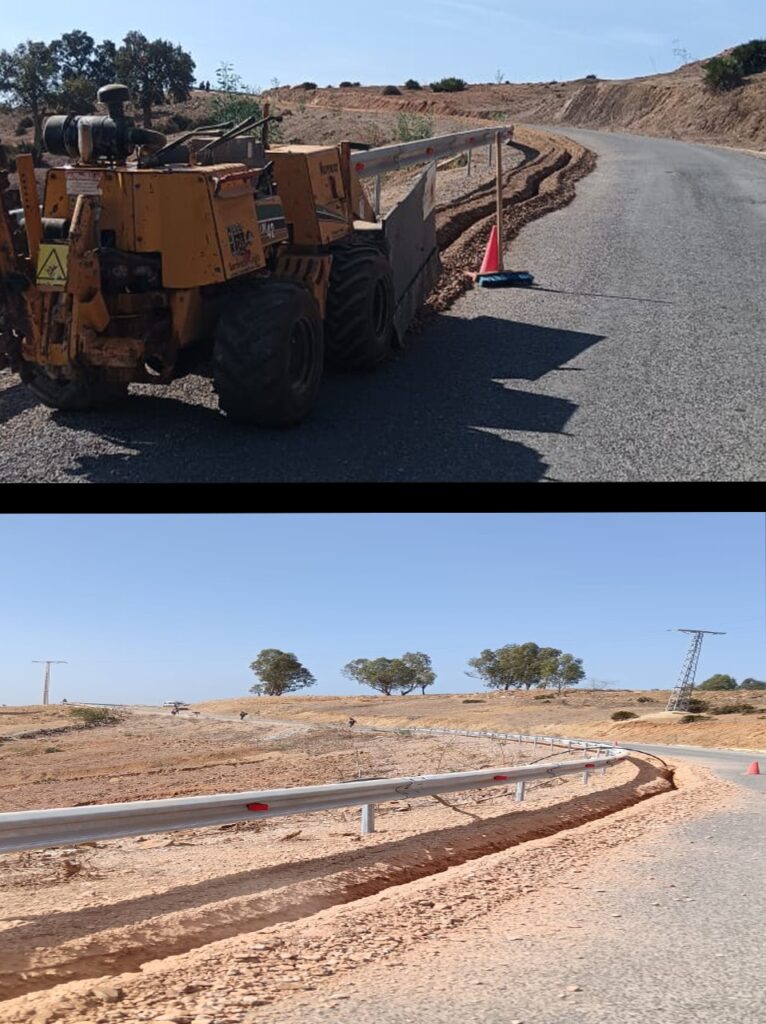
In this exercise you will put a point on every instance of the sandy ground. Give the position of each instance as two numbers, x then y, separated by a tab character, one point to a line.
584	713
378	905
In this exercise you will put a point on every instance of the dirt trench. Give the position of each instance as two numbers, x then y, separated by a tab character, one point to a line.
97	941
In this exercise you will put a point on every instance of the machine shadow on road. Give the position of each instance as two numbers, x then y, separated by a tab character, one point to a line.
14	401
441	412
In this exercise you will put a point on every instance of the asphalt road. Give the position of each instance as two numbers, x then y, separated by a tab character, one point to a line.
673	938
641	357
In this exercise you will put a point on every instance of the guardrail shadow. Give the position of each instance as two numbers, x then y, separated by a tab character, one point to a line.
395	863
448	409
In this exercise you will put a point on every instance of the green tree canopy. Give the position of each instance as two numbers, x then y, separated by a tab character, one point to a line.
74	52
151	69
392	675
752	684
719	682
279	672
526	665
30	75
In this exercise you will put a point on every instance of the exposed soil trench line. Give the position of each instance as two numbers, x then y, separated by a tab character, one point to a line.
121	937
545	191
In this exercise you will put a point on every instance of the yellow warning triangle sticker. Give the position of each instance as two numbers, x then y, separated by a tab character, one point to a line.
52	263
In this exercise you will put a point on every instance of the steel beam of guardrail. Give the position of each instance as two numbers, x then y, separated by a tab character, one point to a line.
373	162
27	830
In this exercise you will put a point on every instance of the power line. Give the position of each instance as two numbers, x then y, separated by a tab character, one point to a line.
47	678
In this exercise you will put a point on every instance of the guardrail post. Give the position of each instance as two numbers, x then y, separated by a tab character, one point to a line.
468	165
377	195
585	777
520	785
491	155
368	819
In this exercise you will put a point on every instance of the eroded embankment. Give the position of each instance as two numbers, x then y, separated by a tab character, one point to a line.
93	942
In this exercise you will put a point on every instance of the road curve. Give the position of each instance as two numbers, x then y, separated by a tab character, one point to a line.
671	935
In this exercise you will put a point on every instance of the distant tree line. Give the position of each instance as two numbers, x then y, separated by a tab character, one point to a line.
64	76
513	667
720	681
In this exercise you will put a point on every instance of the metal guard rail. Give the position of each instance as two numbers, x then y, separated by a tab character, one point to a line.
372	162
26	830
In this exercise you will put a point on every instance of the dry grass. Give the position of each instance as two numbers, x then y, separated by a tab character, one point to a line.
579	713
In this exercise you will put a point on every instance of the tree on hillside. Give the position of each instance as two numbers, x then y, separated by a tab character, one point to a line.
719	682
569	671
74	52
547	666
752	684
30	75
386	675
501	669
279	672
423	674
151	69
103	68
722	74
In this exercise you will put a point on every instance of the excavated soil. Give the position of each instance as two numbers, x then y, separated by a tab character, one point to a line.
374	904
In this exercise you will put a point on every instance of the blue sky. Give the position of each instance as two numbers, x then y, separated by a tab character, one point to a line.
425	39
153	608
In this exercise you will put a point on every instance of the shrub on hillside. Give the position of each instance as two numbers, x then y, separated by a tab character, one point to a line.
623	716
410	127
751	56
412	83
696	706
691	718
449	85
391	90
345	85
591	78
722	74
735	709
95	716
752	684
645	700
307	85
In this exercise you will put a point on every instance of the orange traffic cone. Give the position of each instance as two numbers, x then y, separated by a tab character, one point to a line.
491	263
754	769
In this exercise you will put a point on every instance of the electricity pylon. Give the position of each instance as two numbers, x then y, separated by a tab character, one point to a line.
47	680
679	698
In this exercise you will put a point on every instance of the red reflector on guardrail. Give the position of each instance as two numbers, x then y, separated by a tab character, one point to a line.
358	167
500	778
257	807
590	766
429	150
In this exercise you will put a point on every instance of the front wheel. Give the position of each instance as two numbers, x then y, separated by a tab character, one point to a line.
269	354
360	308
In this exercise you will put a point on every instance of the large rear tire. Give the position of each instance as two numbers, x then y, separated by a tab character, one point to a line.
268	354
360	308
75	390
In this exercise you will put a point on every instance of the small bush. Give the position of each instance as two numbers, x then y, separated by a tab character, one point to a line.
687	719
469	700
751	56
645	700
411	126
180	122
449	85
623	716
735	709
25	122
696	706
412	83
591	78
391	90
346	85
95	716
722	74
53	750
307	85
543	696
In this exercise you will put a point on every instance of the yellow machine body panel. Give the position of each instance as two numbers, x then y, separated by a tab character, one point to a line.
310	184
204	233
